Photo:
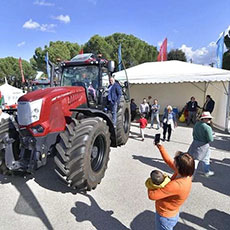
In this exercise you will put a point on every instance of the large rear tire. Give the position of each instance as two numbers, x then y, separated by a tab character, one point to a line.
123	123
83	153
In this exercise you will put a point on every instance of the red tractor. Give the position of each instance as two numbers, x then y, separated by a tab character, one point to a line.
68	122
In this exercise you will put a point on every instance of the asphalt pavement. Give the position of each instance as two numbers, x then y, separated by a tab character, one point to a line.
120	201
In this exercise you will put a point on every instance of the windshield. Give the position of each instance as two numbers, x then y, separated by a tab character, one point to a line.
40	86
80	76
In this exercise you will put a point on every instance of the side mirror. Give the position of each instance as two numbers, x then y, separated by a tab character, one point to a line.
111	66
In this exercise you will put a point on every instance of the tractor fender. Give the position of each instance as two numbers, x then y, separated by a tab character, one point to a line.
98	113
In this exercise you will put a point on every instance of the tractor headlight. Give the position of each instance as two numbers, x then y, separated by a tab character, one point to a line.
29	112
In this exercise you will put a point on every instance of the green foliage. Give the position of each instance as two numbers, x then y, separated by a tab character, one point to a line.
226	60
9	68
134	50
98	45
176	55
56	50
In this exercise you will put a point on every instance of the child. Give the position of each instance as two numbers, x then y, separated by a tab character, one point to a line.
157	180
143	123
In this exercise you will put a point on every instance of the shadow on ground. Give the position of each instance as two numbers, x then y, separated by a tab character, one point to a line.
137	136
153	162
219	182
98	217
27	203
221	142
213	219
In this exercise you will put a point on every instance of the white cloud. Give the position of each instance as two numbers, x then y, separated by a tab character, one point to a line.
21	44
43	3
47	27
35	25
205	55
31	25
63	18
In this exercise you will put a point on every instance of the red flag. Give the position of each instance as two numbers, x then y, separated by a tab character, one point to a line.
81	51
162	56
20	66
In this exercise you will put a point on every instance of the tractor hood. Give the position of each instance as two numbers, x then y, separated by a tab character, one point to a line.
44	111
51	93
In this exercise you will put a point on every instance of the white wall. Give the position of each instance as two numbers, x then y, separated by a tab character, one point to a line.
178	94
217	92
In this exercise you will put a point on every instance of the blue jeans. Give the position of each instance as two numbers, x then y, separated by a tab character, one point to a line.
114	113
155	115
164	223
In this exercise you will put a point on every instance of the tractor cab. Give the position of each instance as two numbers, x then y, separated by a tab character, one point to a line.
90	72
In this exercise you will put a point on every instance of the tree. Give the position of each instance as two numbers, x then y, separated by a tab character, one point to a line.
226	60
177	55
98	45
134	50
9	69
56	50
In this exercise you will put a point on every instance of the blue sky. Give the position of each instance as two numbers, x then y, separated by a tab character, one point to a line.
192	25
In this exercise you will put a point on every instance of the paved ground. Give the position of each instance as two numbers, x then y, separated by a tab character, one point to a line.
120	201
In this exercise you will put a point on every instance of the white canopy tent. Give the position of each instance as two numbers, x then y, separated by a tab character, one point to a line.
174	82
10	93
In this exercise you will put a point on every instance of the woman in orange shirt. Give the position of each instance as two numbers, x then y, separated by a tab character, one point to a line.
172	196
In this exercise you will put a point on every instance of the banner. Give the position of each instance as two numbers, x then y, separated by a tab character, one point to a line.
47	65
119	58
21	70
220	51
162	56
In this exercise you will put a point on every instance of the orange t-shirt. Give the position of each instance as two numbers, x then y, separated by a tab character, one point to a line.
173	195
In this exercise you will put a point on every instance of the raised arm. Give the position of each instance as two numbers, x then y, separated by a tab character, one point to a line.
168	160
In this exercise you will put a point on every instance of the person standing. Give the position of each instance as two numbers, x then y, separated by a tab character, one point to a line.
169	122
155	110
144	108
114	96
200	148
133	108
192	106
169	199
209	104
143	123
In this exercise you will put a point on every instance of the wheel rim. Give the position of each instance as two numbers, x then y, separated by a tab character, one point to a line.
98	153
126	121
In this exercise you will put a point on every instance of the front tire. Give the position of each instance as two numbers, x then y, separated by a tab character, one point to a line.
83	153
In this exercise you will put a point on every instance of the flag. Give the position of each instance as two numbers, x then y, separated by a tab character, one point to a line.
162	56
220	51
81	51
47	65
21	70
119	58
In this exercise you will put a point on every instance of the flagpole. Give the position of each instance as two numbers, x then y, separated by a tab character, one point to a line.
21	70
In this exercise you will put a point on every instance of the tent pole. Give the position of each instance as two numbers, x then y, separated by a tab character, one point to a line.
227	109
205	89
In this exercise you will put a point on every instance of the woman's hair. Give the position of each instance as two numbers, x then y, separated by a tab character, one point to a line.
184	163
169	107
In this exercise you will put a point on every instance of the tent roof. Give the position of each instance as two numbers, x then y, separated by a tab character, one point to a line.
6	88
172	72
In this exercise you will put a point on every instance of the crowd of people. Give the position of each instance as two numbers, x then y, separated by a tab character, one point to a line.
169	193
